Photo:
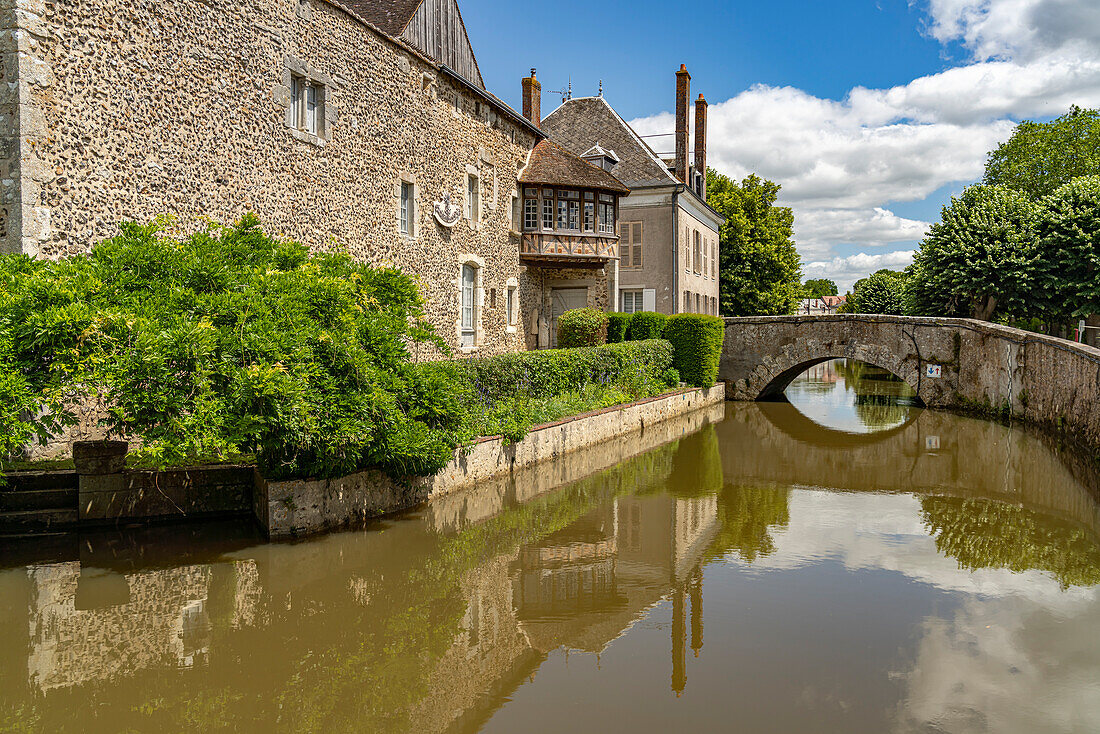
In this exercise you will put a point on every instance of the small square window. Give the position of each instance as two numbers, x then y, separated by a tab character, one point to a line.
307	106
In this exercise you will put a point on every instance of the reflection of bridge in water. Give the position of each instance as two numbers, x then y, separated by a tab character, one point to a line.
934	453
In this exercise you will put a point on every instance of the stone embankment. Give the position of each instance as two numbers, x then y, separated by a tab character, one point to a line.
958	364
101	491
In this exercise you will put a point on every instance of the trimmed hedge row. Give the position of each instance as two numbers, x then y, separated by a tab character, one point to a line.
582	327
647	325
618	325
697	346
553	371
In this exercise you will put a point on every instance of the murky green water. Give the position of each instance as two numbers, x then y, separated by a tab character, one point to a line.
743	569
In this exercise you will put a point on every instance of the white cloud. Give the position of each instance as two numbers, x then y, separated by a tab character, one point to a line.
847	270
843	162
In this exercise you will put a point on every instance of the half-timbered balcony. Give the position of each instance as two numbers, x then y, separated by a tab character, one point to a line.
570	208
568	250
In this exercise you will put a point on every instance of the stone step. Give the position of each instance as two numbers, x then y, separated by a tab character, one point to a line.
39	499
34	480
32	521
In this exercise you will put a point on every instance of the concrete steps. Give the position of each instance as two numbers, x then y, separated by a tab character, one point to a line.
20	522
36	503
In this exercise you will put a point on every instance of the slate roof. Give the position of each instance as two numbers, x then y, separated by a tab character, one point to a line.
389	16
582	122
549	163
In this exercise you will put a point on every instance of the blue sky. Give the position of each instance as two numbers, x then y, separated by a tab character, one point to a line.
870	114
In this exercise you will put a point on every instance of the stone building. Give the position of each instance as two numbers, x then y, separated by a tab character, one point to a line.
358	124
668	234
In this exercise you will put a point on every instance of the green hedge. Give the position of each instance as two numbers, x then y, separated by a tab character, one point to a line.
554	371
647	325
582	327
618	326
697	346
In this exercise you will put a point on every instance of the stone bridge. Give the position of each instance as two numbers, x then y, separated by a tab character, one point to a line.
950	363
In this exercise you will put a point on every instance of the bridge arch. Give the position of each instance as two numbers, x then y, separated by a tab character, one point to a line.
762	355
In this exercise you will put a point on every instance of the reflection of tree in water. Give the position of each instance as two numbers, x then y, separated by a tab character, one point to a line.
746	516
696	465
988	534
881	411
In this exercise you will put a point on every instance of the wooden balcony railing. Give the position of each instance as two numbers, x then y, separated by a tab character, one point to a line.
577	250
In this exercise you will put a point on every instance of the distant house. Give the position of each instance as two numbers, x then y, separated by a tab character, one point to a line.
668	235
821	306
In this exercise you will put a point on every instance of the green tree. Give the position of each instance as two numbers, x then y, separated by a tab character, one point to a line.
882	292
1041	156
819	288
761	272
1069	243
979	260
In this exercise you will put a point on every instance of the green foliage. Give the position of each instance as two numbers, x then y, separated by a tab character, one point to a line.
646	325
696	346
747	514
226	342
987	534
980	259
761	272
582	327
818	288
1040	157
1068	282
510	393
880	293
618	326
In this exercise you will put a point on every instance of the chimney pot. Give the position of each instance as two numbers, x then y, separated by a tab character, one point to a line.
532	99
683	95
701	144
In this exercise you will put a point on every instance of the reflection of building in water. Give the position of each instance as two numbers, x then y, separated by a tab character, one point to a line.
90	625
584	586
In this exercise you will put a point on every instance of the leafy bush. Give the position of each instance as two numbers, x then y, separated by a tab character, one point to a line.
582	327
697	346
646	325
882	292
227	341
509	393
618	326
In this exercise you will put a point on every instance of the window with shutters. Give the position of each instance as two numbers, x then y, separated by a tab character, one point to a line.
630	244
696	252
632	301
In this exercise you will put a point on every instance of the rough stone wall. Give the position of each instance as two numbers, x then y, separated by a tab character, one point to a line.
984	366
152	108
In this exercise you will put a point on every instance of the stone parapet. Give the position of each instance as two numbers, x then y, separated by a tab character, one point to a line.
295	508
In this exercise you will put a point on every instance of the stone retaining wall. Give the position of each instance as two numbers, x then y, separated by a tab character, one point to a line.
301	507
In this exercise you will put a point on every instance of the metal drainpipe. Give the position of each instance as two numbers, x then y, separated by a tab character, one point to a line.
615	284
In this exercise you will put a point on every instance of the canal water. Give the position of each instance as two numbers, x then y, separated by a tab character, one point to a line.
843	562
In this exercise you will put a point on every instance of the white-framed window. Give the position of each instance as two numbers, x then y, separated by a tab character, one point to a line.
406	209
713	261
589	211
687	302
307	105
632	301
548	210
530	210
630	244
696	252
468	306
473	204
607	214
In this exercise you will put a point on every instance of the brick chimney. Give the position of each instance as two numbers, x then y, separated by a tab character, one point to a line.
683	93
532	99
701	142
